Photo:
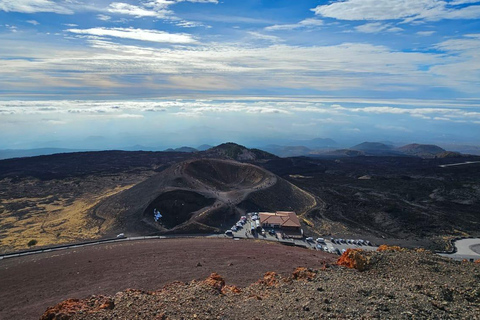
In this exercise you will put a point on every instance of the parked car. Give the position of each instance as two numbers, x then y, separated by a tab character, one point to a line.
320	240
234	228
229	233
309	239
121	236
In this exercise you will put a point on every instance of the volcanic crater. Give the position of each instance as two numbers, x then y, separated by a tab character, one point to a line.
198	196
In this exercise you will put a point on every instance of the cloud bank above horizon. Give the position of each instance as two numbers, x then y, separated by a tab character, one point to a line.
390	64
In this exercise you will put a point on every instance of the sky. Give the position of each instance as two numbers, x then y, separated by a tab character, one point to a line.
166	73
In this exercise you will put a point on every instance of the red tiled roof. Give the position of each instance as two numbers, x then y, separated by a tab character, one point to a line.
282	218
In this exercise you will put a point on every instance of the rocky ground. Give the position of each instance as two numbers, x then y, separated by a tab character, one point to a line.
392	284
29	284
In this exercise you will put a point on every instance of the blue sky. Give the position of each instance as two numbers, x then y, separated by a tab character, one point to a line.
110	74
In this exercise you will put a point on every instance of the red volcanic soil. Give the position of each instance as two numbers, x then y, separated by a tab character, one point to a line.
30	284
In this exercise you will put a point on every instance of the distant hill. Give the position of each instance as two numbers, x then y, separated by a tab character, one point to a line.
421	150
287	151
464	149
21	153
376	149
182	149
238	152
204	147
343	153
372	146
317	143
296	148
449	154
381	149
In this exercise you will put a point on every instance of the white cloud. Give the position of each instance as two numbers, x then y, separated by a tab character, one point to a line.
138	34
55	122
457	2
266	37
408	10
393	128
33	6
61	110
150	8
130	116
103	17
307	23
239	66
34	22
376	27
425	33
464	68
423	113
138	12
190	24
11	28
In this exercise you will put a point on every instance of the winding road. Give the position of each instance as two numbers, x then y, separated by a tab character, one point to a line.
465	249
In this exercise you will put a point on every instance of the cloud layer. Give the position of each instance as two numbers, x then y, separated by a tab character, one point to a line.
137	34
407	10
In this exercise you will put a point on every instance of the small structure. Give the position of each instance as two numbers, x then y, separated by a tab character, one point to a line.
287	221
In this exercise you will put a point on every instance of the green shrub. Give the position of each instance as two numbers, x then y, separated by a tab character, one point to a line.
32	242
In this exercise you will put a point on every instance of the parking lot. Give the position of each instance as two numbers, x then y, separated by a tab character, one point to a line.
248	228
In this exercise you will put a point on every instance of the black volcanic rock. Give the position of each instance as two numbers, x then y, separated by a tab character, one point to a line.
344	153
376	149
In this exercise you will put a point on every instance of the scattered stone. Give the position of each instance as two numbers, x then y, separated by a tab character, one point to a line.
354	259
400	284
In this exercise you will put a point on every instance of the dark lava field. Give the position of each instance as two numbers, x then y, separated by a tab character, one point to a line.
402	200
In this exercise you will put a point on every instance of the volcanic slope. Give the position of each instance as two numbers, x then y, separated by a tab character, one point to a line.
199	196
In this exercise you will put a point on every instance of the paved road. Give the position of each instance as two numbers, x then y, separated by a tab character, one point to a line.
93	243
457	164
464	249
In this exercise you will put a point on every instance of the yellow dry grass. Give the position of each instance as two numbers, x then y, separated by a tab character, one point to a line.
53	223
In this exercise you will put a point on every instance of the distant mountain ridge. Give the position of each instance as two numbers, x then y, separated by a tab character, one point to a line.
382	149
21	153
238	152
372	146
182	149
422	150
